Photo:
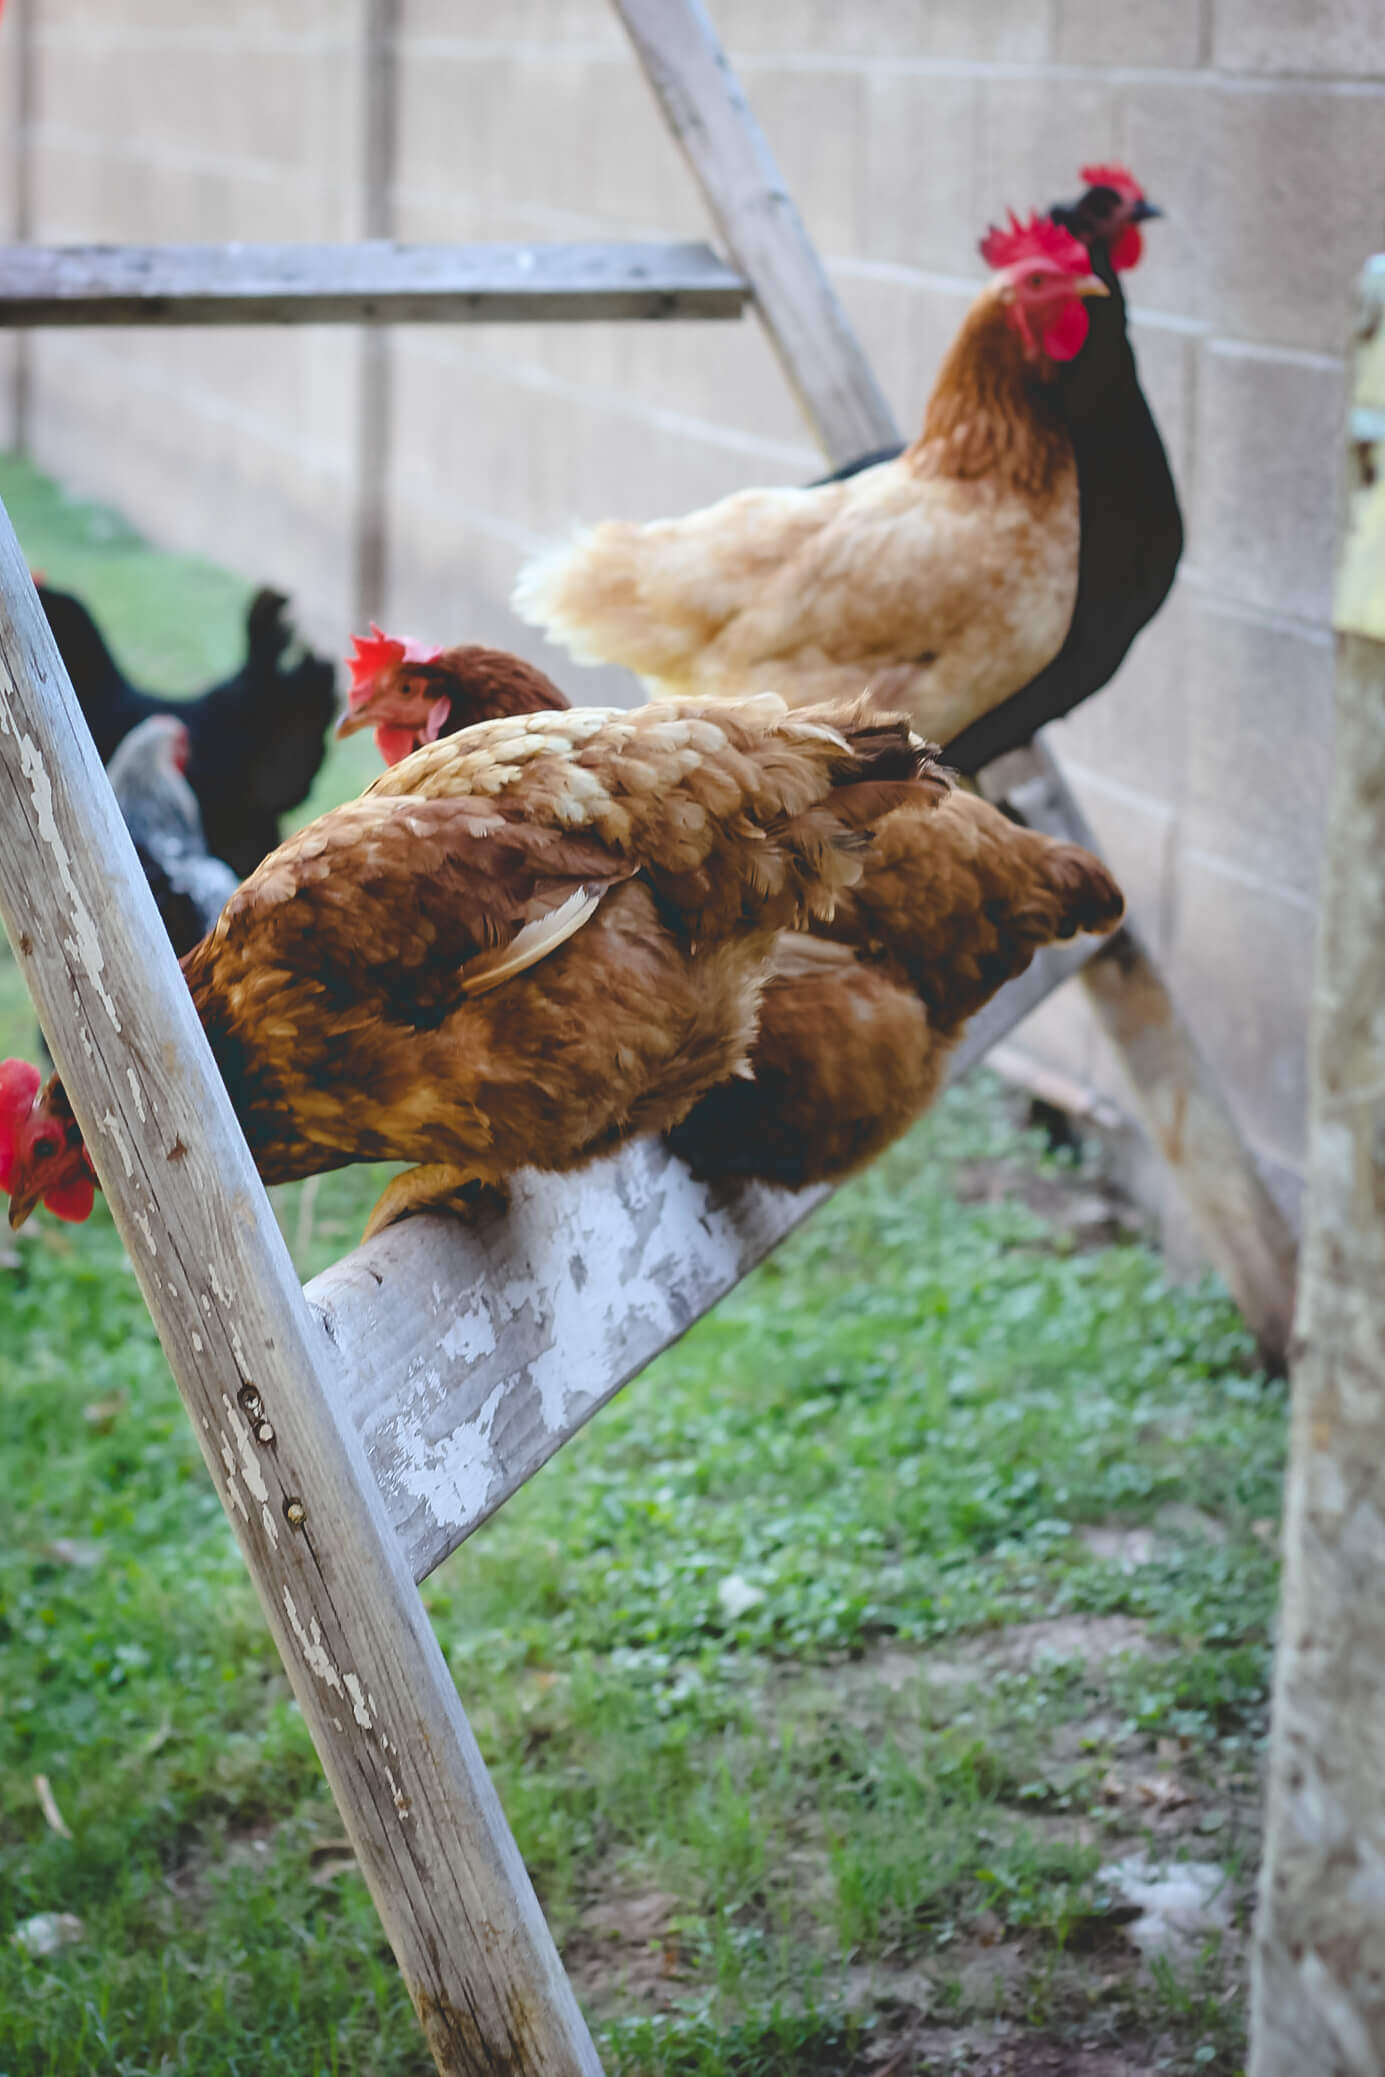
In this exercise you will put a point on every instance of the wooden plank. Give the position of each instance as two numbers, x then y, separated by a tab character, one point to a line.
472	1354
19	91
1319	1960
263	1387
1181	1101
375	282
707	111
1318	1967
379	142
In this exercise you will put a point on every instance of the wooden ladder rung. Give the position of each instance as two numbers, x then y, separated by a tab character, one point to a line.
376	282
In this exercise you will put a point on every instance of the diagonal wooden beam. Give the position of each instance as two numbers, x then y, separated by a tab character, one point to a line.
706	109
263	1389
375	282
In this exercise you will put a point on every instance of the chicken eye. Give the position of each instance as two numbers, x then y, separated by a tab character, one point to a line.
45	1148
1035	281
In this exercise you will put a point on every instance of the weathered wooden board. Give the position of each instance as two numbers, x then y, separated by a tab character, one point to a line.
706	109
263	1389
375	282
1318	1977
470	1355
1181	1100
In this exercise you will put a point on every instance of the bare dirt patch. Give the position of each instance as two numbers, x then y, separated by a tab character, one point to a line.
1085	1210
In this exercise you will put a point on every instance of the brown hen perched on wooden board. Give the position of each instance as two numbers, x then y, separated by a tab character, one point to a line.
858	1023
520	946
941	581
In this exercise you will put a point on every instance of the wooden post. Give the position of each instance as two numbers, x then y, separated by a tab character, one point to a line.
379	112
263	1388
1318	1993
19	91
706	109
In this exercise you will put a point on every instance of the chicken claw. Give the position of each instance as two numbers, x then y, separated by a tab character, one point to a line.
437	1186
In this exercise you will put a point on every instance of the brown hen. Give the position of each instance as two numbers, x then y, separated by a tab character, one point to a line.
521	945
858	1023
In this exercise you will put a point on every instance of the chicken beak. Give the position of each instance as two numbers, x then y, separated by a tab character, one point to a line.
351	724
21	1206
1141	212
1089	285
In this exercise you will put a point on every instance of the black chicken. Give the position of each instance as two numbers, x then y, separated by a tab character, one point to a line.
257	739
1131	527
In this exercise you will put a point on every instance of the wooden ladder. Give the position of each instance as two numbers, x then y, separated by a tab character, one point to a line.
359	1430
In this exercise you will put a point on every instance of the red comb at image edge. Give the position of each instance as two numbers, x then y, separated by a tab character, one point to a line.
1038	239
371	653
1118	177
20	1082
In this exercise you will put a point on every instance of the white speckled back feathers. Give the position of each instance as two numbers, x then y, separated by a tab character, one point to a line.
651	856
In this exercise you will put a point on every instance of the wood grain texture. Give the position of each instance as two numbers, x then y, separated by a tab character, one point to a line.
263	1389
1318	1963
472	1354
1359	605
375	282
1182	1103
706	109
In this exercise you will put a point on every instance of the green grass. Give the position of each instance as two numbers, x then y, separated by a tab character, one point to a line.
733	1656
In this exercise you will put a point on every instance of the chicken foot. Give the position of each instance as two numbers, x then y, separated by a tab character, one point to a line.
435	1186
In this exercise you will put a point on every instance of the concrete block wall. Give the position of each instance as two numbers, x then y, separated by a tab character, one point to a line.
902	128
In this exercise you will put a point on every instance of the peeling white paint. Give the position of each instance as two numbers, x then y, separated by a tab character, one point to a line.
84	944
468	1338
249	1463
233	1492
146	1232
400	1800
137	1093
453	1477
197	1344
271	1527
114	1131
358	1703
316	1656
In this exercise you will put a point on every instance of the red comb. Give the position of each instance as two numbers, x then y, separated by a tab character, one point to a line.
19	1085
1039	239
1118	177
20	1082
372	655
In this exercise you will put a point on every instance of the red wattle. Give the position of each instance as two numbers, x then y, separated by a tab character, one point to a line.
394	743
72	1201
1126	251
1064	338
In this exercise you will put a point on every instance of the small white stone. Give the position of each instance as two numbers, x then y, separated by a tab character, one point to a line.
737	1597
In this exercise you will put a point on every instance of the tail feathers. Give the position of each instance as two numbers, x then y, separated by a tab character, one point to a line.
1091	899
588	593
